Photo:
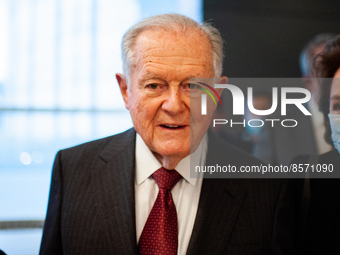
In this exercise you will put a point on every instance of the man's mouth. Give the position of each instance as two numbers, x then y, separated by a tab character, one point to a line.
171	126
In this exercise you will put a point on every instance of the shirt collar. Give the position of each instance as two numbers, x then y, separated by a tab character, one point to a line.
147	164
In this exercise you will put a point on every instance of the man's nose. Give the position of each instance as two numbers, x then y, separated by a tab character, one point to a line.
174	102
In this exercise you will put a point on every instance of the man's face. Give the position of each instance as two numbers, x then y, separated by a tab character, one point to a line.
158	96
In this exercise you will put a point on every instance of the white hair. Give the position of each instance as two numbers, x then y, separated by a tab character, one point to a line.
171	23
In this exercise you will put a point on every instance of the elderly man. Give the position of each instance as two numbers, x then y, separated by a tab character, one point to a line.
133	193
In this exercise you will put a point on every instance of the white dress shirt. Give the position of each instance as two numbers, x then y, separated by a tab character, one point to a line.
185	193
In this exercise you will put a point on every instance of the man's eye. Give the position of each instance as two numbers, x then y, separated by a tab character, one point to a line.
153	86
193	86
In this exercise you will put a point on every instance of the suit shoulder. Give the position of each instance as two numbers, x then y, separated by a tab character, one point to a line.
115	143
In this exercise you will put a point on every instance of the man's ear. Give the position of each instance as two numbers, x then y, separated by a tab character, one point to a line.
123	88
222	80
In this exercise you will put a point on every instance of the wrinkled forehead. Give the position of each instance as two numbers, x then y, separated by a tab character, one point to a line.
190	44
174	35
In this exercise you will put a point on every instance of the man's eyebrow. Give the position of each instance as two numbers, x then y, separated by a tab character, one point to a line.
150	76
195	77
335	97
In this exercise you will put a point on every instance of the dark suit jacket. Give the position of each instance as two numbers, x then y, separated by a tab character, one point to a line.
279	145
91	207
322	231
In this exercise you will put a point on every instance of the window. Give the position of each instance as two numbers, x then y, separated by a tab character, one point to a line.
58	60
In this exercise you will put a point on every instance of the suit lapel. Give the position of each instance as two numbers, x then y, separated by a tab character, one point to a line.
219	205
116	198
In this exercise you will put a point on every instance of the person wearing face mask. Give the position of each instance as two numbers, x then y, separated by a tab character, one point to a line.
280	145
321	233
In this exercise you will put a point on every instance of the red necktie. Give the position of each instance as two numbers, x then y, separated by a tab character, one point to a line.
160	233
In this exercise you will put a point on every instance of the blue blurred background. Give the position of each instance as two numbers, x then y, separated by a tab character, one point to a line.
58	60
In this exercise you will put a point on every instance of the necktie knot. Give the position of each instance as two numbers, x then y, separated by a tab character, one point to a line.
166	179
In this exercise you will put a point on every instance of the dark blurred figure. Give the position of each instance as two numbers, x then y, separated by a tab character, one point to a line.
280	145
2	253
321	235
246	138
228	134
261	101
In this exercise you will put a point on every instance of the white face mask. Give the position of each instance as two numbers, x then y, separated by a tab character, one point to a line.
334	120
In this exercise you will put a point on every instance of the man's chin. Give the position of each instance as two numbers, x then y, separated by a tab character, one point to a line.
171	154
